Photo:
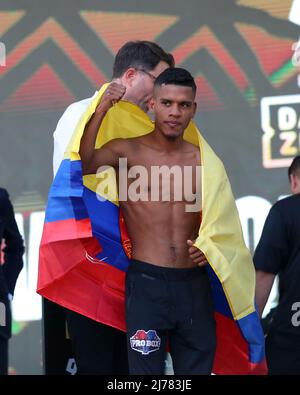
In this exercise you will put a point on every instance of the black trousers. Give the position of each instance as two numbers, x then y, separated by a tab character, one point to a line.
3	356
169	305
98	348
5	334
280	360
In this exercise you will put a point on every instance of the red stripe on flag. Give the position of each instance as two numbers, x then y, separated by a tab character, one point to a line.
95	290
66	230
231	342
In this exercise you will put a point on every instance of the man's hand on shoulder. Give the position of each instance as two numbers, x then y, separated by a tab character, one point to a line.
112	95
196	255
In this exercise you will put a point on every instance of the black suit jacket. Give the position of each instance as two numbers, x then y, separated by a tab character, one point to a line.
12	261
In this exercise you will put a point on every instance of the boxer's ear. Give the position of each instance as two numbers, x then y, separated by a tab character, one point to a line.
151	103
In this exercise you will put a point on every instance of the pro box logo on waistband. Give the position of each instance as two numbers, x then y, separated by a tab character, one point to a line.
145	342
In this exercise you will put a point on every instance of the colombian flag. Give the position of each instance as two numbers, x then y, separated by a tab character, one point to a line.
85	249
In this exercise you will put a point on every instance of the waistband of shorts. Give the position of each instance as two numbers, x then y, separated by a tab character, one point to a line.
170	273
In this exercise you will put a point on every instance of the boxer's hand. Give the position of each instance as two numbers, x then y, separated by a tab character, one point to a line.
196	255
114	92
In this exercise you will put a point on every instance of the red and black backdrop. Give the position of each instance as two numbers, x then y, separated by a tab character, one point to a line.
239	52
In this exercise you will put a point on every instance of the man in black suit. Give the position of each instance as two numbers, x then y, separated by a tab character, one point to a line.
11	263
